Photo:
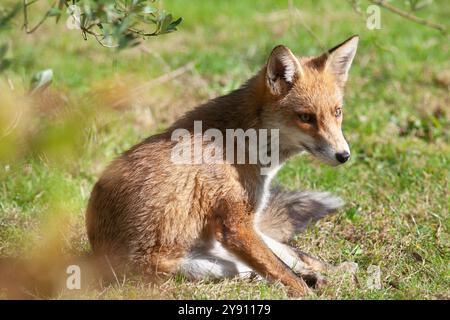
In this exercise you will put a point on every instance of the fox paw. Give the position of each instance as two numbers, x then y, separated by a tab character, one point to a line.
314	280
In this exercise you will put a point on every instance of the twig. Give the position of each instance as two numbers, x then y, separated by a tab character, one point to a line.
25	16
160	80
143	33
11	84
296	13
158	57
355	6
384	4
168	76
98	37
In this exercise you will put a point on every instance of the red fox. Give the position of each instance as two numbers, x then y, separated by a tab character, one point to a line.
214	220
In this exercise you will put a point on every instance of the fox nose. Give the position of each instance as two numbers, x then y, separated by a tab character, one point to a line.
342	156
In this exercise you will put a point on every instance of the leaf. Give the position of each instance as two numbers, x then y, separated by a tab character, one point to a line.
61	4
149	10
4	64
165	23
54	12
122	21
123	26
41	80
173	25
4	20
422	4
3	50
128	40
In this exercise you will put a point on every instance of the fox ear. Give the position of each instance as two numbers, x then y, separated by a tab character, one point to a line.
339	59
282	70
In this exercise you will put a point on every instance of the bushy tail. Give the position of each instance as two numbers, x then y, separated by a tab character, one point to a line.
289	212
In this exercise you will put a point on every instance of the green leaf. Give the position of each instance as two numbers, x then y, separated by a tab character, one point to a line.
173	25
121	21
127	41
4	64
149	10
165	23
422	4
4	20
54	12
3	50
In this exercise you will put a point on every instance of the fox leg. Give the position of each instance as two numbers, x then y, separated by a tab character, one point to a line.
322	266
159	262
235	231
308	267
302	264
312	263
288	213
213	262
207	267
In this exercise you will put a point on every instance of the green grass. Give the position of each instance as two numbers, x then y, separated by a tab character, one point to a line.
397	123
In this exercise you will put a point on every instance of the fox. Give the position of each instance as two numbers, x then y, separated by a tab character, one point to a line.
151	216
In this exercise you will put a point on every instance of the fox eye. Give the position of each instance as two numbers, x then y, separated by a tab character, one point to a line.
338	112
306	117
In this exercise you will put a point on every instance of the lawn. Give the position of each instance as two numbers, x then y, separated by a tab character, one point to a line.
102	101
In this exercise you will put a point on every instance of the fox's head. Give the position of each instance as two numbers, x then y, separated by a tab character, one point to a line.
305	100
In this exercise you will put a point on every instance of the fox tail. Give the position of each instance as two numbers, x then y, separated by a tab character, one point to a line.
289	212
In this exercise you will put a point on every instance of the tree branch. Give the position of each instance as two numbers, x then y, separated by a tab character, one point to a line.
25	16
386	5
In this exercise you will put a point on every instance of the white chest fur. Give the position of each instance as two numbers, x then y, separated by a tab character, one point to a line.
264	194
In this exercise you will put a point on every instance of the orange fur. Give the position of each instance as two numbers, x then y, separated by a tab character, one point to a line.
149	213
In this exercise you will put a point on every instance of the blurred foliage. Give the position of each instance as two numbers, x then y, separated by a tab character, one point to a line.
6	15
56	139
113	23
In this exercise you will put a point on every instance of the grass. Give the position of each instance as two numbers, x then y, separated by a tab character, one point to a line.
397	123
